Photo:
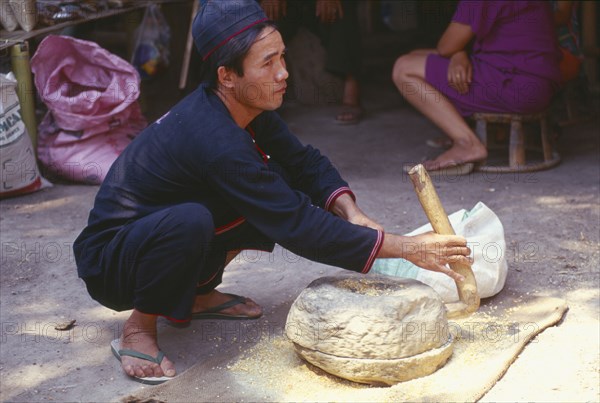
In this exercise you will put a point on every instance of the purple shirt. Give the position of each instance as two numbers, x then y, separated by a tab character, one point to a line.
513	36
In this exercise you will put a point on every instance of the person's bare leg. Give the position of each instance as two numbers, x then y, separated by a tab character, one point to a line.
409	77
350	99
443	141
351	91
139	334
216	298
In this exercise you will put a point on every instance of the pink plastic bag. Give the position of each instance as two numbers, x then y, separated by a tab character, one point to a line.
91	95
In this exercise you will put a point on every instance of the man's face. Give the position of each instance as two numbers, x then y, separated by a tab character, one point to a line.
263	85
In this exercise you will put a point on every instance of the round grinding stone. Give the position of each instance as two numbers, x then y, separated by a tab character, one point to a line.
370	328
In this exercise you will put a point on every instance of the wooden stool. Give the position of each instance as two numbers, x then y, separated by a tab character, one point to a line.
517	142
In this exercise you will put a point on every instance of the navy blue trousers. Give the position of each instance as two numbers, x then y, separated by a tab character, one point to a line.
159	263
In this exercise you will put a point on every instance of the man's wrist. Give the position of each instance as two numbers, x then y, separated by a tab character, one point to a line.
332	200
344	206
394	246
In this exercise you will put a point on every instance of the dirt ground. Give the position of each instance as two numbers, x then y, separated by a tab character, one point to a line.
551	220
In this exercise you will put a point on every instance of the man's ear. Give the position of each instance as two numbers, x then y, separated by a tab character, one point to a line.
226	77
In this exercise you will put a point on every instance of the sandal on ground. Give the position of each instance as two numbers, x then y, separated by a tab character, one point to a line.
215	312
149	380
453	170
349	115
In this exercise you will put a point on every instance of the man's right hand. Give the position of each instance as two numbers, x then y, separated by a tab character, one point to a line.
274	9
429	251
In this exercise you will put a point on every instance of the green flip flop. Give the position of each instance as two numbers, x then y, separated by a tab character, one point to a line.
149	380
215	312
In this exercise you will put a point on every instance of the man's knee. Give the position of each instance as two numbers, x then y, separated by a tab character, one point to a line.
191	222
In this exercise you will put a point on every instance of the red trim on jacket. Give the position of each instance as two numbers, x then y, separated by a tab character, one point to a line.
264	155
231	225
374	252
333	197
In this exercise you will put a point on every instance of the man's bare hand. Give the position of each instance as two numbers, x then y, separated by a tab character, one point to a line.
429	251
329	11
274	9
433	252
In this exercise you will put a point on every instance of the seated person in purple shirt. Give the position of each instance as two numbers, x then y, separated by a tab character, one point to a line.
219	173
512	67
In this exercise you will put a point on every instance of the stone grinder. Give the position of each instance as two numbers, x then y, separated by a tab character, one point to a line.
379	329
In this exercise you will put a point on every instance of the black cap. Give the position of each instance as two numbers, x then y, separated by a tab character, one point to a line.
220	20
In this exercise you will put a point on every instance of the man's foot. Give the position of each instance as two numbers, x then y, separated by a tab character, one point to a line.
458	154
233	307
139	334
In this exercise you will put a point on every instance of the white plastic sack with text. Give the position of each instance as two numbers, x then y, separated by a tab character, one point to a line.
485	236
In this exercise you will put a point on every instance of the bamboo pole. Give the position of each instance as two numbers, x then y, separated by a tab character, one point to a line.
25	89
467	289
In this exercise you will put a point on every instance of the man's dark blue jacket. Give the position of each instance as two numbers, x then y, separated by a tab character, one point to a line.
263	176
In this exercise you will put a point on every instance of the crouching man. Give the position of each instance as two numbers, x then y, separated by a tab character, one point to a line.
219	173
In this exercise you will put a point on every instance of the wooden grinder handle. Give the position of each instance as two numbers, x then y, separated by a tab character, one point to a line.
467	289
